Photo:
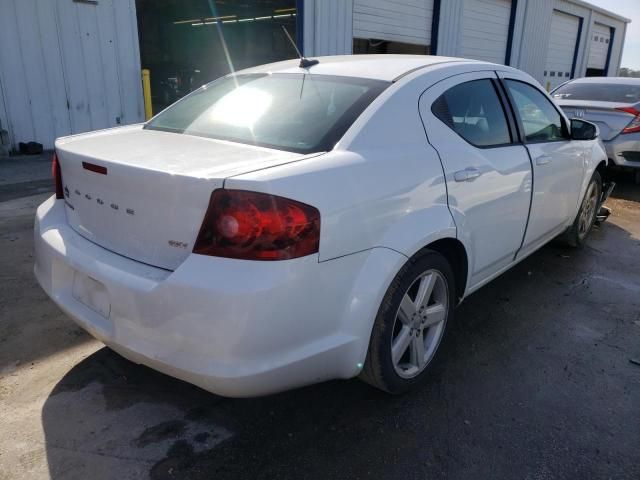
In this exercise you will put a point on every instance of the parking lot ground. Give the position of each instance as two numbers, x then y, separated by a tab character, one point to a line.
22	175
534	382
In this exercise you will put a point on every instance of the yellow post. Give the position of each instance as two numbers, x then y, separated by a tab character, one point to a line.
146	93
548	85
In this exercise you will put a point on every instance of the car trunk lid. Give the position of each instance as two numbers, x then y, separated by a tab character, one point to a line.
143	194
610	120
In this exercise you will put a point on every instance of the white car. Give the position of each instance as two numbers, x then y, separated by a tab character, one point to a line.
286	225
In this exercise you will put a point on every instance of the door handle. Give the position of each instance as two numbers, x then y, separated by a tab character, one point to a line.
467	175
543	159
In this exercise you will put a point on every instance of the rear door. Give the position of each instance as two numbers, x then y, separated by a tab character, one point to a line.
558	161
488	173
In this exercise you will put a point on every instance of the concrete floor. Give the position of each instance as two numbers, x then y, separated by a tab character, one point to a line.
534	382
24	175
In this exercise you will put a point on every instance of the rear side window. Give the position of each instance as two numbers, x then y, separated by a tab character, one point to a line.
473	110
541	121
599	92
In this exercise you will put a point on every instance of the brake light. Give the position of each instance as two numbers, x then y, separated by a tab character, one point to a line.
634	125
257	226
57	176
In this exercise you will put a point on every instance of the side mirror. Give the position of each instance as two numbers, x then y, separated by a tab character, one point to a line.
583	130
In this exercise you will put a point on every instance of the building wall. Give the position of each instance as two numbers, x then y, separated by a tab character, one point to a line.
328	27
618	40
449	27
4	133
394	20
592	16
587	25
68	67
329	31
533	36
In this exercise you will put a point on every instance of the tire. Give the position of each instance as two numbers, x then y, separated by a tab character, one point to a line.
586	217
428	272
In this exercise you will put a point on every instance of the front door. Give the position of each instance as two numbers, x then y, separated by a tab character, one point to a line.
558	163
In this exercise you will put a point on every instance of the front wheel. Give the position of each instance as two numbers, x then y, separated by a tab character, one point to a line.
410	324
583	223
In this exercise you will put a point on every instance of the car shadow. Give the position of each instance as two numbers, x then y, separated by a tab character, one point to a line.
513	383
626	188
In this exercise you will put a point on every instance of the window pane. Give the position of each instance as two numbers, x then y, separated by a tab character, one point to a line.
295	112
540	119
473	110
600	92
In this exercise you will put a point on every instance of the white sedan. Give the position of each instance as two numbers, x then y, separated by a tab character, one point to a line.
287	225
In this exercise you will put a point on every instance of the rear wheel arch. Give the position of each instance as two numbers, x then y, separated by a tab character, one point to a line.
395	339
453	258
602	169
456	254
602	165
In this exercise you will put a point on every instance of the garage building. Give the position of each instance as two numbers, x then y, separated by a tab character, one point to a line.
70	66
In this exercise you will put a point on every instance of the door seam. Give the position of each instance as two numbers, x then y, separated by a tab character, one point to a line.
526	228
519	130
444	176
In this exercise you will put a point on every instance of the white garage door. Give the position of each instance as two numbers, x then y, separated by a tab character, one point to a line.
561	49
68	67
485	29
407	21
600	38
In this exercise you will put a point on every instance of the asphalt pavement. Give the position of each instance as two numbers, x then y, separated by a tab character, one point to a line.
535	381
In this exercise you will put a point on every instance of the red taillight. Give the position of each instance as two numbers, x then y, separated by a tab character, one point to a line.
257	226
57	176
634	125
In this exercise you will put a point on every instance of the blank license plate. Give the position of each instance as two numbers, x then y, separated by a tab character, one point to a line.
91	293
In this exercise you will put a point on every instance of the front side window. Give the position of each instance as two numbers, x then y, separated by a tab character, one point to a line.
295	112
473	110
541	121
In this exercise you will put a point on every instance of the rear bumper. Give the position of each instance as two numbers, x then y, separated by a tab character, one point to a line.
624	150
235	328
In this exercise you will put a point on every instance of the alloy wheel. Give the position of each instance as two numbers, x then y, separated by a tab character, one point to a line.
419	324
588	210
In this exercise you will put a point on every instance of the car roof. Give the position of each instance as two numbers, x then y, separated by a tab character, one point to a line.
608	80
379	67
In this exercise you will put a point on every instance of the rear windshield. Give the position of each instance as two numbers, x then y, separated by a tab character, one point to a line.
599	92
295	112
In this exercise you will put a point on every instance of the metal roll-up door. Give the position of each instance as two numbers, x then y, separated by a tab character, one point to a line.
563	39
68	67
405	21
485	30
599	46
